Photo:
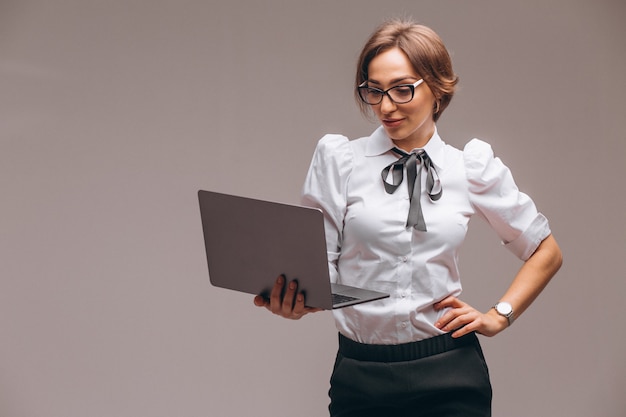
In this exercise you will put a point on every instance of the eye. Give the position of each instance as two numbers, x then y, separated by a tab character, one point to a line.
402	91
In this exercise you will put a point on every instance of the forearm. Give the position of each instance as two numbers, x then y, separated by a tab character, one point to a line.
534	275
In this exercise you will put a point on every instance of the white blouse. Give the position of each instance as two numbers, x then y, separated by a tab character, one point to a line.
370	246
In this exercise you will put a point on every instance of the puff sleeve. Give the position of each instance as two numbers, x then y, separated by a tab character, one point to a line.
495	197
325	188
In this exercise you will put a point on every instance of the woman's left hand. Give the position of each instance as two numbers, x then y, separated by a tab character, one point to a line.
463	319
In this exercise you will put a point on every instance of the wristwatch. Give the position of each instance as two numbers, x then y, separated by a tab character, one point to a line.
505	310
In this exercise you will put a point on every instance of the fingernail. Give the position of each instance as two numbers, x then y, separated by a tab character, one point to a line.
292	285
279	280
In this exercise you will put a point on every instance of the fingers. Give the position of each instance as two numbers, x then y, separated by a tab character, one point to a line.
287	305
285	302
276	295
260	301
450	318
465	322
462	319
453	319
450	301
299	308
458	318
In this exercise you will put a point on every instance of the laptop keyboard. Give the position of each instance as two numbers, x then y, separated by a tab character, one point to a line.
339	298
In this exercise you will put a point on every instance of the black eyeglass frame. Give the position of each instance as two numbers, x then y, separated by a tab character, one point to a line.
363	87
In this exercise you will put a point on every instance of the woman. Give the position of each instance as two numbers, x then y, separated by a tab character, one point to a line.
397	205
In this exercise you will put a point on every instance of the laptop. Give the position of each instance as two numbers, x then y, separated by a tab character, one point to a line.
250	242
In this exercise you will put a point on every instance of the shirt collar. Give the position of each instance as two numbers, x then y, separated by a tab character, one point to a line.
379	143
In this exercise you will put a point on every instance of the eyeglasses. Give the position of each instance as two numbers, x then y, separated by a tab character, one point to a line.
399	94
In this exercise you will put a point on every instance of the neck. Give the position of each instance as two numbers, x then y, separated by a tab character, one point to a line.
415	140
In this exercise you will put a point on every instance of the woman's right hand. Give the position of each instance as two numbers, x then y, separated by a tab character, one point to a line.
290	305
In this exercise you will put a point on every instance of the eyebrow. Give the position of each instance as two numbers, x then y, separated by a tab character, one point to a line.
395	80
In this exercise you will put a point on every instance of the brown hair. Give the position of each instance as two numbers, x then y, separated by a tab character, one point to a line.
425	51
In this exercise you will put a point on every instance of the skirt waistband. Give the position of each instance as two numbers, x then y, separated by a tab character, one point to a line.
405	351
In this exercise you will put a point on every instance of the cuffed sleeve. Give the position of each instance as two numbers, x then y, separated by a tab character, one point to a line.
495	196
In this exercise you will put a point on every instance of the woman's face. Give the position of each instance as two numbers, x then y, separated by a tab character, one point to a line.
409	125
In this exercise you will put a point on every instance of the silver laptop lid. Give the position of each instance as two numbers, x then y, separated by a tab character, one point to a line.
250	242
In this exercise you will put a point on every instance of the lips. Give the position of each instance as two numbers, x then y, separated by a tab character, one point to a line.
392	122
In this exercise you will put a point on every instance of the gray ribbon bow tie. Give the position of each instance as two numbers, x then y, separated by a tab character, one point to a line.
414	182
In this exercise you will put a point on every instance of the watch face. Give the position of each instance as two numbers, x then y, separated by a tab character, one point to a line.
504	308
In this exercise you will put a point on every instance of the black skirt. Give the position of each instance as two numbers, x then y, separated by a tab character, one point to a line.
441	376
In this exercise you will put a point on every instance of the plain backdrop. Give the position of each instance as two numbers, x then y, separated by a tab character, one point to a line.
114	113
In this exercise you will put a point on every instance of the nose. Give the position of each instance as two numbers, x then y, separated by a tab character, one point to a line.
387	105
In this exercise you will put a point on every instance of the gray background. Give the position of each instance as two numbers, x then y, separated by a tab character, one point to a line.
114	113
